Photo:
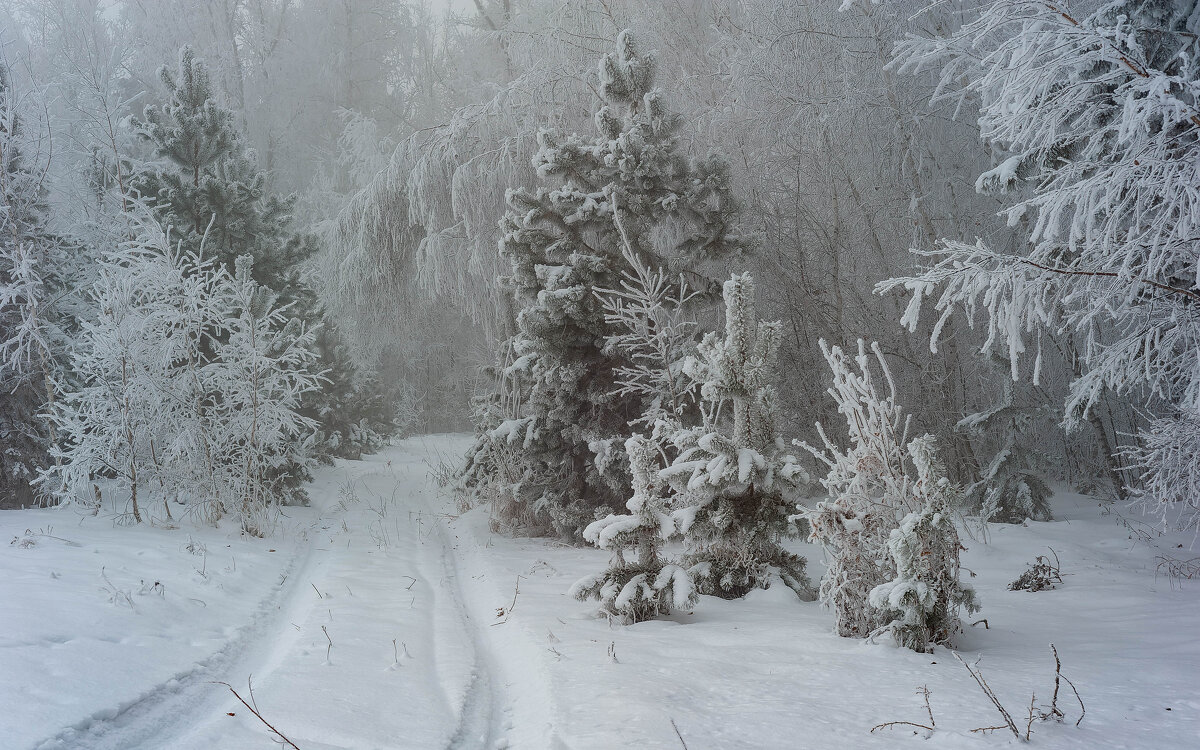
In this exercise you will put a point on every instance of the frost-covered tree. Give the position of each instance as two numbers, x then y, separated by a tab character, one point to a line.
926	595
732	474
189	385
156	311
564	244
261	370
207	186
647	586
35	273
1097	117
867	488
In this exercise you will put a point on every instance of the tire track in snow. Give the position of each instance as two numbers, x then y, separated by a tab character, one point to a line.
172	704
479	725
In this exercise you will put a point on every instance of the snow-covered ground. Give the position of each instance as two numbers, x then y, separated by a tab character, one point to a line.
94	655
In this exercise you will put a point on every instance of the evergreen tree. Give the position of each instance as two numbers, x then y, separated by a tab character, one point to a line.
732	472
641	589
924	598
629	185
1011	488
207	187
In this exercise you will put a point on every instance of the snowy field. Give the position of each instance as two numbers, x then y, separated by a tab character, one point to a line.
378	619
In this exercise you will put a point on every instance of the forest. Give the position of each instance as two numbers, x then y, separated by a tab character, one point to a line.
786	348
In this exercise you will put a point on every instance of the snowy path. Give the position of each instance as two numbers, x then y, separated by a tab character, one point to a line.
375	563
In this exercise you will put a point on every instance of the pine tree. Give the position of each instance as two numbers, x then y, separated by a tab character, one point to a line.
564	243
732	472
208	188
1011	488
649	586
924	598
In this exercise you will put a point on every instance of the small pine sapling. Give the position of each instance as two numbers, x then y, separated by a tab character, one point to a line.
654	337
732	472
641	589
926	594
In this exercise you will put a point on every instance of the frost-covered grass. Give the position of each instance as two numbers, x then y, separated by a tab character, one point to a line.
83	669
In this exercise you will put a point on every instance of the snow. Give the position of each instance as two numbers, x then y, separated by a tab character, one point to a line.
499	655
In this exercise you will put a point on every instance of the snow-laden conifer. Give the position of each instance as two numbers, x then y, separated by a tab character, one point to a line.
568	414
924	598
732	475
648	585
206	185
1011	487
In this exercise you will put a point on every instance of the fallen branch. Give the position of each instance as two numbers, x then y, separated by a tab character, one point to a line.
282	737
923	690
677	734
987	690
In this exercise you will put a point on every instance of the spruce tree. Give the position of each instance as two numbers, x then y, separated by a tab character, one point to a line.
629	185
732	472
206	185
1011	487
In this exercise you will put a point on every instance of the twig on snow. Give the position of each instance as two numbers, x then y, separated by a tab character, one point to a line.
924	691
252	709
987	690
1054	701
677	734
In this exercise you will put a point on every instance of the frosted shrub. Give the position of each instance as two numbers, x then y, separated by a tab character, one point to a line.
887	528
867	489
189	384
